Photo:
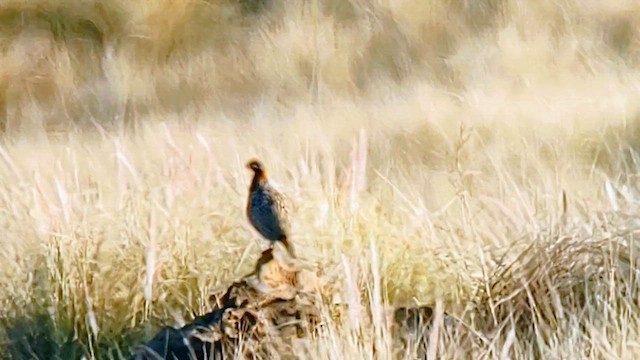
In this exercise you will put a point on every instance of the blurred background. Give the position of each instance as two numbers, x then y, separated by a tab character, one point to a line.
100	63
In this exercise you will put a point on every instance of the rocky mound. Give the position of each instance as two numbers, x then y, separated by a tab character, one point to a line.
265	312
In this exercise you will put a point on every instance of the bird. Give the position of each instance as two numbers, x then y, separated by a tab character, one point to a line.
267	209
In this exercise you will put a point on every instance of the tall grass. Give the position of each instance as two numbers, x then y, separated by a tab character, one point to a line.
478	155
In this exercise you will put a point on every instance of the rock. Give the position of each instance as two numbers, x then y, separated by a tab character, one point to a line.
259	314
265	312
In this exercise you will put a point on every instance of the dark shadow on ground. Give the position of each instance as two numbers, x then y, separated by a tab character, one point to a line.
37	336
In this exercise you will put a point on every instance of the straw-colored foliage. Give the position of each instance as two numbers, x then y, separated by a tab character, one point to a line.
479	152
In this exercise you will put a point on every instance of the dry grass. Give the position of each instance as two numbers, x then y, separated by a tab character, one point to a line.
479	152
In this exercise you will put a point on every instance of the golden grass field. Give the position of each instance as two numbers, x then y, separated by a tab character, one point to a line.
482	153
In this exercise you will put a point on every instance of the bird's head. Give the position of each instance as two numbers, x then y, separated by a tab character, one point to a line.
256	166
